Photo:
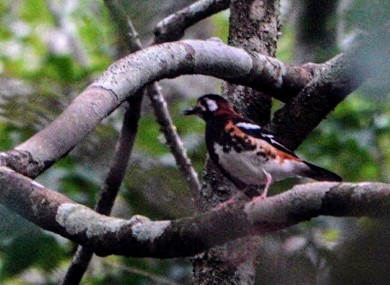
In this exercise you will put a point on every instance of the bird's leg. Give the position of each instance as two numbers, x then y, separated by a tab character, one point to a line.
268	182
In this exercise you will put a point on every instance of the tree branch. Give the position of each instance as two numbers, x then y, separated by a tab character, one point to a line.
341	76
173	27
140	237
60	13
137	271
116	173
114	86
170	60
112	183
174	142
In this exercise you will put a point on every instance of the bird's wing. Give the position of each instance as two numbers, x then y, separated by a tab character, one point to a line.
258	132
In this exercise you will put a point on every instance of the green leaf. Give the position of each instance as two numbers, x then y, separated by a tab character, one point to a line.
31	249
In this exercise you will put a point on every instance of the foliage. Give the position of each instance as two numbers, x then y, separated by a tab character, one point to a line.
367	15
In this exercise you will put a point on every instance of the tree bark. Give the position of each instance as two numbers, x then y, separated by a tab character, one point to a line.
38	153
254	26
315	25
141	237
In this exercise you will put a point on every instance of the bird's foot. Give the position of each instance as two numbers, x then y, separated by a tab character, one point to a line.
223	205
268	183
258	198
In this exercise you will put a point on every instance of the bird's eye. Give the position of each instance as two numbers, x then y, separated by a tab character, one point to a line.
201	106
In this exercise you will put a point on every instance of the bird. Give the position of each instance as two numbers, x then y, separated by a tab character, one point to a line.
246	153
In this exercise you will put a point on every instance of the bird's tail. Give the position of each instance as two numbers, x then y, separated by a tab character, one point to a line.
320	174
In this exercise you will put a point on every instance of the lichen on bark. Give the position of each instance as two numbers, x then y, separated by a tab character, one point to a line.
254	26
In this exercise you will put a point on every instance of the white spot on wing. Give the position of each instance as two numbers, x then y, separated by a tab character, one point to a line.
268	136
248	126
276	142
279	144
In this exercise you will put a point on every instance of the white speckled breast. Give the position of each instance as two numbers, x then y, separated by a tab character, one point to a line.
248	167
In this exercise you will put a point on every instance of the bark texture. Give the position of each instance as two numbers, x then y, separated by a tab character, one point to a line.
345	73
254	26
173	27
141	237
169	60
315	23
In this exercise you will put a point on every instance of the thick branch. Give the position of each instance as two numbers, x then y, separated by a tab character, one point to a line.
185	237
173	27
110	189
315	36
344	74
124	78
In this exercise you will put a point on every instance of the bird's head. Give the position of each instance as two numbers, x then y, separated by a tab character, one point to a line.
209	106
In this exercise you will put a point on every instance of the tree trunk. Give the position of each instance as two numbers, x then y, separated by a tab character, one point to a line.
254	26
315	25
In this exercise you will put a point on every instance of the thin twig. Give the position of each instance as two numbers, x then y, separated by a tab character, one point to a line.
174	142
60	12
115	176
109	192
134	270
162	113
173	27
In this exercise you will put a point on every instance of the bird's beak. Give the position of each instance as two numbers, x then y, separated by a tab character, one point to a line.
192	111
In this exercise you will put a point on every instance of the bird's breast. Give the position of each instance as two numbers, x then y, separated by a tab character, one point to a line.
244	165
247	163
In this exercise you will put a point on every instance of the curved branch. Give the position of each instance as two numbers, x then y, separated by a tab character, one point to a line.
112	183
343	74
116	173
125	77
141	237
173	27
129	74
